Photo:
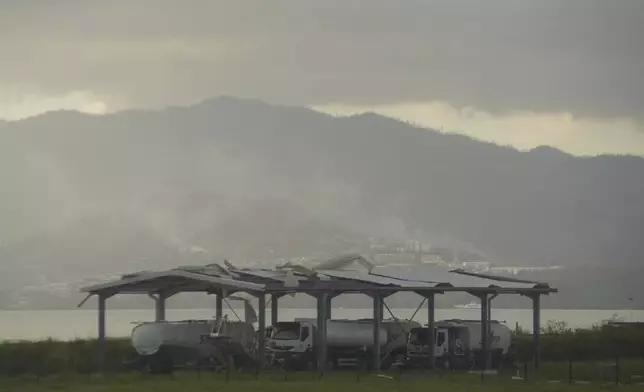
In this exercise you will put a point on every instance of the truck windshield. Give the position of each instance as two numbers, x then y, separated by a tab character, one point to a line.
419	336
286	331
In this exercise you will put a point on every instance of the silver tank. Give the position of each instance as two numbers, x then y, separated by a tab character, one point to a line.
352	333
342	333
147	338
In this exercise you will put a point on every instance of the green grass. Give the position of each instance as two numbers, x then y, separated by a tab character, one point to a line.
592	351
562	343
592	370
277	382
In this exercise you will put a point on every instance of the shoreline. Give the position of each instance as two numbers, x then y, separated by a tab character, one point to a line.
312	308
82	323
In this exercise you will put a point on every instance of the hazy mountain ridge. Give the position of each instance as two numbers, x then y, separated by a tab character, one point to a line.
279	178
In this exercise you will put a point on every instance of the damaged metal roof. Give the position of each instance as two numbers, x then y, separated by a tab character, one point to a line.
348	273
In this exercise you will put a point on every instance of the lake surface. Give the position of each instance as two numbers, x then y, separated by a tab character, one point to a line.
82	323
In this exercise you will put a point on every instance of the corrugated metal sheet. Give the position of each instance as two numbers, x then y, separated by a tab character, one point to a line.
210	270
148	280
344	261
279	276
434	274
375	279
497	278
416	277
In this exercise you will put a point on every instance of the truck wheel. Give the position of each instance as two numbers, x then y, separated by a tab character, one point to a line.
497	360
386	364
443	363
161	363
230	363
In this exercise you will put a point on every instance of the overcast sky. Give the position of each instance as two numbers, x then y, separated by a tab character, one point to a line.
521	72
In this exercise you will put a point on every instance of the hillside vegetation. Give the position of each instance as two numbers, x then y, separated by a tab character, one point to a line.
240	179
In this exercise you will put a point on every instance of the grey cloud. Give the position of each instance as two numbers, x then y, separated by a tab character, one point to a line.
500	55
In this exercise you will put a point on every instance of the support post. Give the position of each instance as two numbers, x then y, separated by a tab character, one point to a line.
536	330
262	332
321	331
489	307
485	332
328	307
431	331
159	307
219	305
377	317
324	347
274	308
101	333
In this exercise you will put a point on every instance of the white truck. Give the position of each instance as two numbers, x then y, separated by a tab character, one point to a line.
164	345
349	343
457	344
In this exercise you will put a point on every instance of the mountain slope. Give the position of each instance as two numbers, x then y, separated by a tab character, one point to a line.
201	174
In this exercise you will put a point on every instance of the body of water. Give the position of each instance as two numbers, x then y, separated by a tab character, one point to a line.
70	324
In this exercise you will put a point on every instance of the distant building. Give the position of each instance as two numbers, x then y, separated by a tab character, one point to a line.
482	266
393	258
429	258
517	270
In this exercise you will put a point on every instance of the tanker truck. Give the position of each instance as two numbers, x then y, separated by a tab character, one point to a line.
164	345
457	344
349	343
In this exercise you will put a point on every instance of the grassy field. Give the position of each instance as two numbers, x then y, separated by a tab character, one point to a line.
294	383
71	366
588	348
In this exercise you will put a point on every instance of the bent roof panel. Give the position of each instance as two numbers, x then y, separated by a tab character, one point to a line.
456	279
408	278
144	280
279	276
432	274
381	280
494	277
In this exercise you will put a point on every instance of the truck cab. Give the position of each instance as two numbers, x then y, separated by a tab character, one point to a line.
291	336
290	342
418	344
457	344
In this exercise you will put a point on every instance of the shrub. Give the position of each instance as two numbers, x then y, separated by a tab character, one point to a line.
46	357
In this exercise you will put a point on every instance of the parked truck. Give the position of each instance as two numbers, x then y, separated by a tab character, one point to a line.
165	345
349	343
458	344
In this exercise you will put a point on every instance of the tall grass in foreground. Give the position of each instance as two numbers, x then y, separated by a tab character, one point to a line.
55	357
559	342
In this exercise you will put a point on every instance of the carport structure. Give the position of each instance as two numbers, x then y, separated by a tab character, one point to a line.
342	275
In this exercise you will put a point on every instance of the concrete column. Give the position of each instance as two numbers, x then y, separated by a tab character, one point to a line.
159	307
485	332
261	360
101	333
321	331
325	310
431	306
274	308
536	330
377	317
489	307
219	305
